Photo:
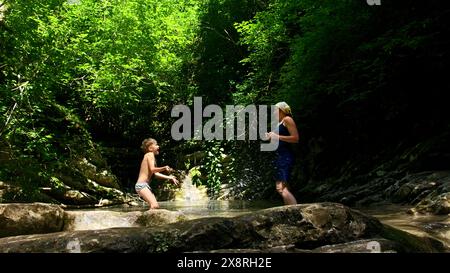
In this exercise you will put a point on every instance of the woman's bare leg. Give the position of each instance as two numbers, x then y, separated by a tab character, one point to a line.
288	198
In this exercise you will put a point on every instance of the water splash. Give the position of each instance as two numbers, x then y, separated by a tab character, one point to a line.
188	192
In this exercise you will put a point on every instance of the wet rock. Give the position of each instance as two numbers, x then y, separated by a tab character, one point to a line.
111	193
123	240
7	190
306	226
277	249
102	177
18	218
440	231
77	197
160	217
429	189
107	179
412	243
362	246
439	204
412	188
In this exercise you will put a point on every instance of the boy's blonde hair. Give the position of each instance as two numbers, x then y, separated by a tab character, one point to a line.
146	143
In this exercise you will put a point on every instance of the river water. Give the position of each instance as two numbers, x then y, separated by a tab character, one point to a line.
194	203
436	226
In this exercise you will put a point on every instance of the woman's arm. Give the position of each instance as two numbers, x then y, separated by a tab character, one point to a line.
292	128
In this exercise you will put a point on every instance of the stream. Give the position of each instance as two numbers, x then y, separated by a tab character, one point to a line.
436	226
194	203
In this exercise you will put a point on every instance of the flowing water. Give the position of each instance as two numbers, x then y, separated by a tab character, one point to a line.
436	226
193	202
190	193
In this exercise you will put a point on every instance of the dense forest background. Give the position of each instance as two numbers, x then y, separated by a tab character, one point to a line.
83	82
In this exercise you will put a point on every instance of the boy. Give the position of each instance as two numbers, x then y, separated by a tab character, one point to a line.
148	168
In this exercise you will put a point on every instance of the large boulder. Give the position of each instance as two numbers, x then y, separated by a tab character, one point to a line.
20	218
307	227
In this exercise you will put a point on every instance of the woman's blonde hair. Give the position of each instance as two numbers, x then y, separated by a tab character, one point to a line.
146	143
283	106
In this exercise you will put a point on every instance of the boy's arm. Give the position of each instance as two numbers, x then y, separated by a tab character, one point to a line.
168	177
162	176
151	164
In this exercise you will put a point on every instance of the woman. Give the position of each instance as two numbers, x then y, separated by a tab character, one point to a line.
286	133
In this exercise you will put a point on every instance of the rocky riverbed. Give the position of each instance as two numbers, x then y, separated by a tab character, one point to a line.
315	227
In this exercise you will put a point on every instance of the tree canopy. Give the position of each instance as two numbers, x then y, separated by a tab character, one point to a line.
91	79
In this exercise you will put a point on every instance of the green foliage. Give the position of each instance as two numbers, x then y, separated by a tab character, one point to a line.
195	175
108	72
293	44
213	167
250	172
106	57
354	75
218	50
106	69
